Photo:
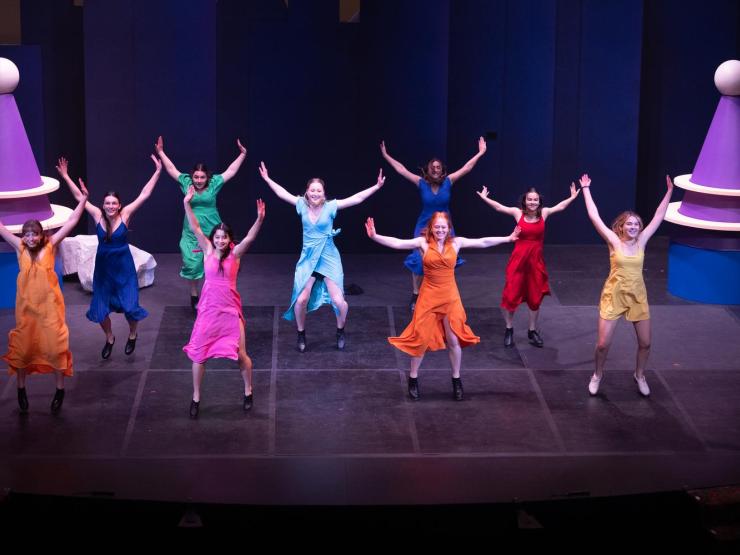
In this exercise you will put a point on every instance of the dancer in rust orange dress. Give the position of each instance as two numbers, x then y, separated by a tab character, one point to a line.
40	341
439	319
526	275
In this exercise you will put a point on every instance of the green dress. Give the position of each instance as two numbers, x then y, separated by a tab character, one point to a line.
204	208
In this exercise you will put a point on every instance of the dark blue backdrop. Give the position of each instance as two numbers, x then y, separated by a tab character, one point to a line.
622	89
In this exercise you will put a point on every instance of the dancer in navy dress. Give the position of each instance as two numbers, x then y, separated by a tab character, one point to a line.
435	188
115	285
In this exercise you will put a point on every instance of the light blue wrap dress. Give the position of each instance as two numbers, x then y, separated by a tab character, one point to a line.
319	254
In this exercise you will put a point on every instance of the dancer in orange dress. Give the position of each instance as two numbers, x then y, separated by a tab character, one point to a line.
40	341
526	275
439	319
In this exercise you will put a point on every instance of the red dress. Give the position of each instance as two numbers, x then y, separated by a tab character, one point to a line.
526	275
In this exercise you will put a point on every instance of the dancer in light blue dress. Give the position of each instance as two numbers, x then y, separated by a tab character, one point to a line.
319	278
435	189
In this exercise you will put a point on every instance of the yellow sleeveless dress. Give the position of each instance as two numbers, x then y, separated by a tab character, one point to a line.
624	292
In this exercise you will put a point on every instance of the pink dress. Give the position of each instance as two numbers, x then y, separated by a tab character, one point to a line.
216	329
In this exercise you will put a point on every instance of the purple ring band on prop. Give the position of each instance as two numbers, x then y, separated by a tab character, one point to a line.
710	207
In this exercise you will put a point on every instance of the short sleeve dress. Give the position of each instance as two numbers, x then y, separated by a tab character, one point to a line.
206	212
319	254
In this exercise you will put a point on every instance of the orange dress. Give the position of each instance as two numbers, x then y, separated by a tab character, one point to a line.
40	340
438	297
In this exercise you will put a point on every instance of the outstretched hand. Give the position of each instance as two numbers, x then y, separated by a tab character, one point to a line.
189	195
157	163
381	178
483	193
573	190
481	145
370	227
83	189
382	148
241	147
669	183
263	171
159	145
515	234
585	181
62	167
260	209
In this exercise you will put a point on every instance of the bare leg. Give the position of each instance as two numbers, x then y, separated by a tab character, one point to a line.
606	334
198	371
106	325
454	351
508	318
59	379
533	316
301	304
415	364
642	329
416	282
194	287
337	297
20	376
132	325
245	363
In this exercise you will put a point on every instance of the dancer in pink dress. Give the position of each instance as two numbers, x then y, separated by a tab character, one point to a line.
218	331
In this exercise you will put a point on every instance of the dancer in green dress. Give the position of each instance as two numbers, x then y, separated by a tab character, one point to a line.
206	186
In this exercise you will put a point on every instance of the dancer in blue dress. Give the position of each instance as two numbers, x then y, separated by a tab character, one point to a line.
319	278
435	188
115	285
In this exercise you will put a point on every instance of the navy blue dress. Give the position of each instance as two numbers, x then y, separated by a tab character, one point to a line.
115	286
430	203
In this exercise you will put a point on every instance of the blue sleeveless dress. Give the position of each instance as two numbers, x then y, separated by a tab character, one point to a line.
430	203
319	254
115	286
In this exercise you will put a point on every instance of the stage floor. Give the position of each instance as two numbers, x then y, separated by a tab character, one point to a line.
333	427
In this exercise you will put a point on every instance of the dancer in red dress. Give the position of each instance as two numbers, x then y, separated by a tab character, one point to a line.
526	275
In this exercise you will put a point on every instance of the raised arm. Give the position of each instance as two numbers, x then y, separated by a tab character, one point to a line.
593	213
654	224
357	198
398	166
485	242
562	205
145	193
63	169
236	164
70	224
393	242
470	164
203	241
242	247
278	189
169	167
11	239
510	210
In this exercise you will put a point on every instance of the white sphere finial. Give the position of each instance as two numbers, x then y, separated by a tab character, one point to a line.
9	76
727	78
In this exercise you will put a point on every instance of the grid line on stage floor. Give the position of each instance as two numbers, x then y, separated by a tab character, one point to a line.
526	410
